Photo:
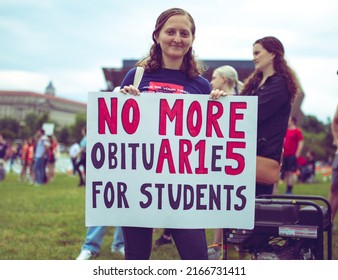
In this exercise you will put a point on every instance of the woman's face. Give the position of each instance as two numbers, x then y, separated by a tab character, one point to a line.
262	58
217	81
175	39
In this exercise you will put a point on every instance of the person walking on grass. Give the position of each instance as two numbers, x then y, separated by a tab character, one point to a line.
293	145
41	152
93	242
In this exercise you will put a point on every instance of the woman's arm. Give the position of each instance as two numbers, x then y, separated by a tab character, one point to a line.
127	83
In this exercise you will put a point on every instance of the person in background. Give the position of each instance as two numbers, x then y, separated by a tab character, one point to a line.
225	78
307	167
276	86
24	164
333	195
94	239
13	155
52	150
293	145
30	159
3	148
3	157
171	67
2	170
74	151
41	151
81	161
26	160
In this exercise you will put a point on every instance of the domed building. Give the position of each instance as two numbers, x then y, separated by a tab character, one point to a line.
18	104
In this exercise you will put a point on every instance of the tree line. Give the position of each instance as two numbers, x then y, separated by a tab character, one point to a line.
14	130
317	135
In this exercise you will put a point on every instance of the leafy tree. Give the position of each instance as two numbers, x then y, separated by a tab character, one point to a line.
33	122
317	135
44	118
312	124
9	128
63	136
75	130
317	138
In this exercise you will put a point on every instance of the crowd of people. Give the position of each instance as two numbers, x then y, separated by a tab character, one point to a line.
37	156
171	66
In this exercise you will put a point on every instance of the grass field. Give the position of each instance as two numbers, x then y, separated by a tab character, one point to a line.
47	222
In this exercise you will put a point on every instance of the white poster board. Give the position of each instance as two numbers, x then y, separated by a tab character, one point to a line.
171	161
48	128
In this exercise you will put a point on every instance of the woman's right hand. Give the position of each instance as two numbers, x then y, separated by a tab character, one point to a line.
130	89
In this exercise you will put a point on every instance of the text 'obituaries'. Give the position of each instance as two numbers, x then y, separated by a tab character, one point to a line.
166	160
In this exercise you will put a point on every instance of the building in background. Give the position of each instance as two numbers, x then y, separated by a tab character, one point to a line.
18	104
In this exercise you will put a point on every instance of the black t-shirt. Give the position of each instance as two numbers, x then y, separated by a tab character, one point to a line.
168	81
274	107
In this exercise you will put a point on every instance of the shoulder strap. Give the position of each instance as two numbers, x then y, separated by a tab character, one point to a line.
138	76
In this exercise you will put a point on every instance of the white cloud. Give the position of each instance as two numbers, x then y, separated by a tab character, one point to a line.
319	81
76	84
69	42
22	80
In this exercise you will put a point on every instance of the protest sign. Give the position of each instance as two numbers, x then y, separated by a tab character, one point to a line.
170	160
48	128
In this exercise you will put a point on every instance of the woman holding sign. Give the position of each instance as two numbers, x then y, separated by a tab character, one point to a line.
275	84
170	68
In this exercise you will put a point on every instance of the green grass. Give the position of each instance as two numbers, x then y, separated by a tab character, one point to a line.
47	222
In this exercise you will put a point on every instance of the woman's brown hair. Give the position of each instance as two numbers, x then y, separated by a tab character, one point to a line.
273	45
153	62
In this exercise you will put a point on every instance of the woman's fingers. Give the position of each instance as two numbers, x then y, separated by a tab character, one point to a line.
216	93
130	89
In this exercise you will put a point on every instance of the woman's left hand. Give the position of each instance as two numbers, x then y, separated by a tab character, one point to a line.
130	89
216	93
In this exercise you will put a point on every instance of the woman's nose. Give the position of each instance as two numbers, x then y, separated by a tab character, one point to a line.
177	37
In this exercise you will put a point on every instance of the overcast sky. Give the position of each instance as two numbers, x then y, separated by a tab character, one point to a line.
69	41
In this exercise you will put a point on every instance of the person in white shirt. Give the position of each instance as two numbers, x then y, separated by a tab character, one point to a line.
74	150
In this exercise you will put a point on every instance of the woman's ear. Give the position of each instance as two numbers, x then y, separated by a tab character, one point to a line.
156	39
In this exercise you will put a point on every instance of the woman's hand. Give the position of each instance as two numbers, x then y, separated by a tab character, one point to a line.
216	93
130	89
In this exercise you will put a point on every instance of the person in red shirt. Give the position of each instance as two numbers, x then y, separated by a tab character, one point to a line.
52	150
293	145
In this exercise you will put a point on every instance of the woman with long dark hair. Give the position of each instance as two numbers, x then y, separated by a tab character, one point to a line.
276	86
171	67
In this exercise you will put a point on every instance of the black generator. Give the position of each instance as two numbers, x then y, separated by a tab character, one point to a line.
287	227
